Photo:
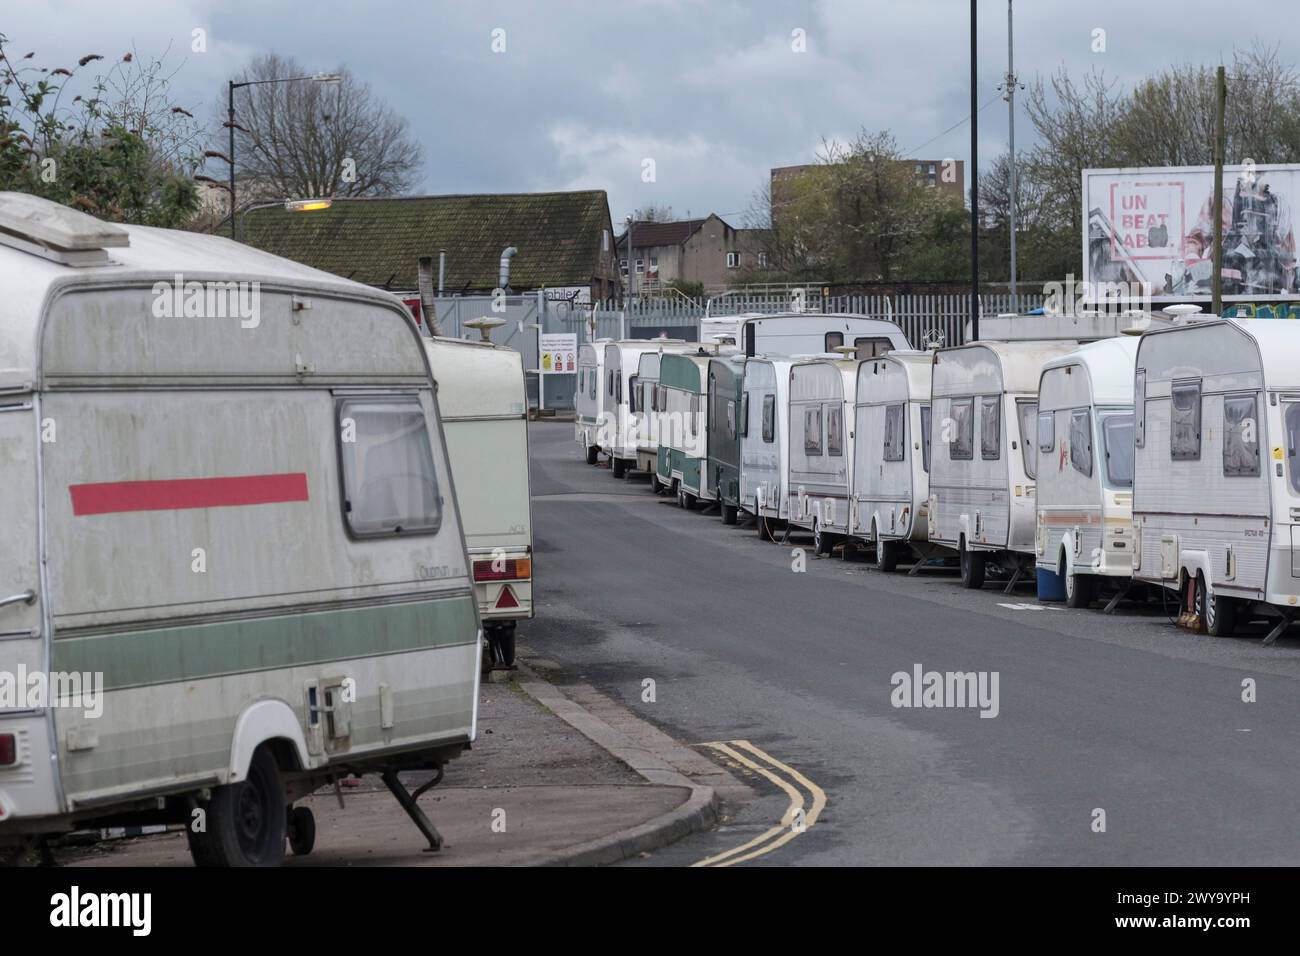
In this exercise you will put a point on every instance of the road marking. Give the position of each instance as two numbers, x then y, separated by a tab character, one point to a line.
777	836
1027	607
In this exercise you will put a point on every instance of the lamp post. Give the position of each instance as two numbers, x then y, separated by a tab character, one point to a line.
290	205
230	121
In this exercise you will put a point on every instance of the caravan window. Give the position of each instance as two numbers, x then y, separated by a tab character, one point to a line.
961	447
991	427
835	430
894	432
812	430
1292	423
591	380
871	347
925	438
1081	441
744	415
632	390
1240	436
1046	432
1185	421
389	483
1117	443
833	341
609	383
661	394
731	419
618	389
769	418
1028	412
695	414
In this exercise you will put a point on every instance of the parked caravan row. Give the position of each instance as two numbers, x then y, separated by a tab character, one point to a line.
1153	450
248	530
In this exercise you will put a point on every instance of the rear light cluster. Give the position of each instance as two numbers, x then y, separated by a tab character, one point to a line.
512	569
8	750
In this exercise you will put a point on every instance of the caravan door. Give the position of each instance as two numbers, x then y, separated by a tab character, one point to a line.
27	784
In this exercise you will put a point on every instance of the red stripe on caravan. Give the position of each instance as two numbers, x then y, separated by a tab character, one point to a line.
177	494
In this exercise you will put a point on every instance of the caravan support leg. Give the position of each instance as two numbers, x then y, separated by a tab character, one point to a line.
1274	634
1015	578
407	800
1119	596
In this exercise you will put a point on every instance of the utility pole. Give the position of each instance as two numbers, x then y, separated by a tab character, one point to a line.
1220	147
230	122
1009	94
974	190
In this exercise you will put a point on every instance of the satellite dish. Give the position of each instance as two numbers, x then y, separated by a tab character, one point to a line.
485	325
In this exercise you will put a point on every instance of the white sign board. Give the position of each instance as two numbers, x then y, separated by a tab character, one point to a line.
1153	228
558	353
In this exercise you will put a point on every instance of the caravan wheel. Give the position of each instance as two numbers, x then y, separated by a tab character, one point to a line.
620	467
245	821
822	543
1079	588
972	567
729	513
592	454
886	555
1220	612
302	830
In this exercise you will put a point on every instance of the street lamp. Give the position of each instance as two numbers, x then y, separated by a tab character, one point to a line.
230	121
290	205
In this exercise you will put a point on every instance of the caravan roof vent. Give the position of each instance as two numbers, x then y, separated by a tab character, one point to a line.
52	231
1184	314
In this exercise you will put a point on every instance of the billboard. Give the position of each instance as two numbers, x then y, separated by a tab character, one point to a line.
1153	228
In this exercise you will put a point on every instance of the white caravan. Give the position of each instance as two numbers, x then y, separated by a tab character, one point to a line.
891	463
589	399
764	442
484	404
624	399
230	539
1216	491
1084	493
821	448
984	406
813	333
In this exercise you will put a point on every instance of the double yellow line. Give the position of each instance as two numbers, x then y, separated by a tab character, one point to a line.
793	822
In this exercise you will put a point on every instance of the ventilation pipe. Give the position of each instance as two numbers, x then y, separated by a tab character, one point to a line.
428	305
503	280
442	269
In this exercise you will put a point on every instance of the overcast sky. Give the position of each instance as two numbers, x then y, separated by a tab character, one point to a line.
714	91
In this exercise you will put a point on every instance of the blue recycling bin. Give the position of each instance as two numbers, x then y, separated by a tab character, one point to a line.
1051	586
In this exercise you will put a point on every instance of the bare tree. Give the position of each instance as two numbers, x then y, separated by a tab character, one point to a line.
305	139
655	212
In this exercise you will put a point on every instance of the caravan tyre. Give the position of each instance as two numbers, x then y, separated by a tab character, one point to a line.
503	643
1078	590
246	821
620	467
302	830
886	555
592	454
1220	613
729	514
972	568
822	543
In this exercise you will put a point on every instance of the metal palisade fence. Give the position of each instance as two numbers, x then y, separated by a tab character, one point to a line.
925	319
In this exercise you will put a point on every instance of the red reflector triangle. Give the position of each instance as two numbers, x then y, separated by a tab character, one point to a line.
507	598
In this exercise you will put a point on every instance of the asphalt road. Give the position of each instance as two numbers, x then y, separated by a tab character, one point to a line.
1121	713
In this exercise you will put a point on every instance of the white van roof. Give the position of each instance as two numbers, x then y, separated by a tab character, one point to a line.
1109	364
31	281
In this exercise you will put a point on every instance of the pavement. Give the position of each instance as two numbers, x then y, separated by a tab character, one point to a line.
1120	739
548	782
